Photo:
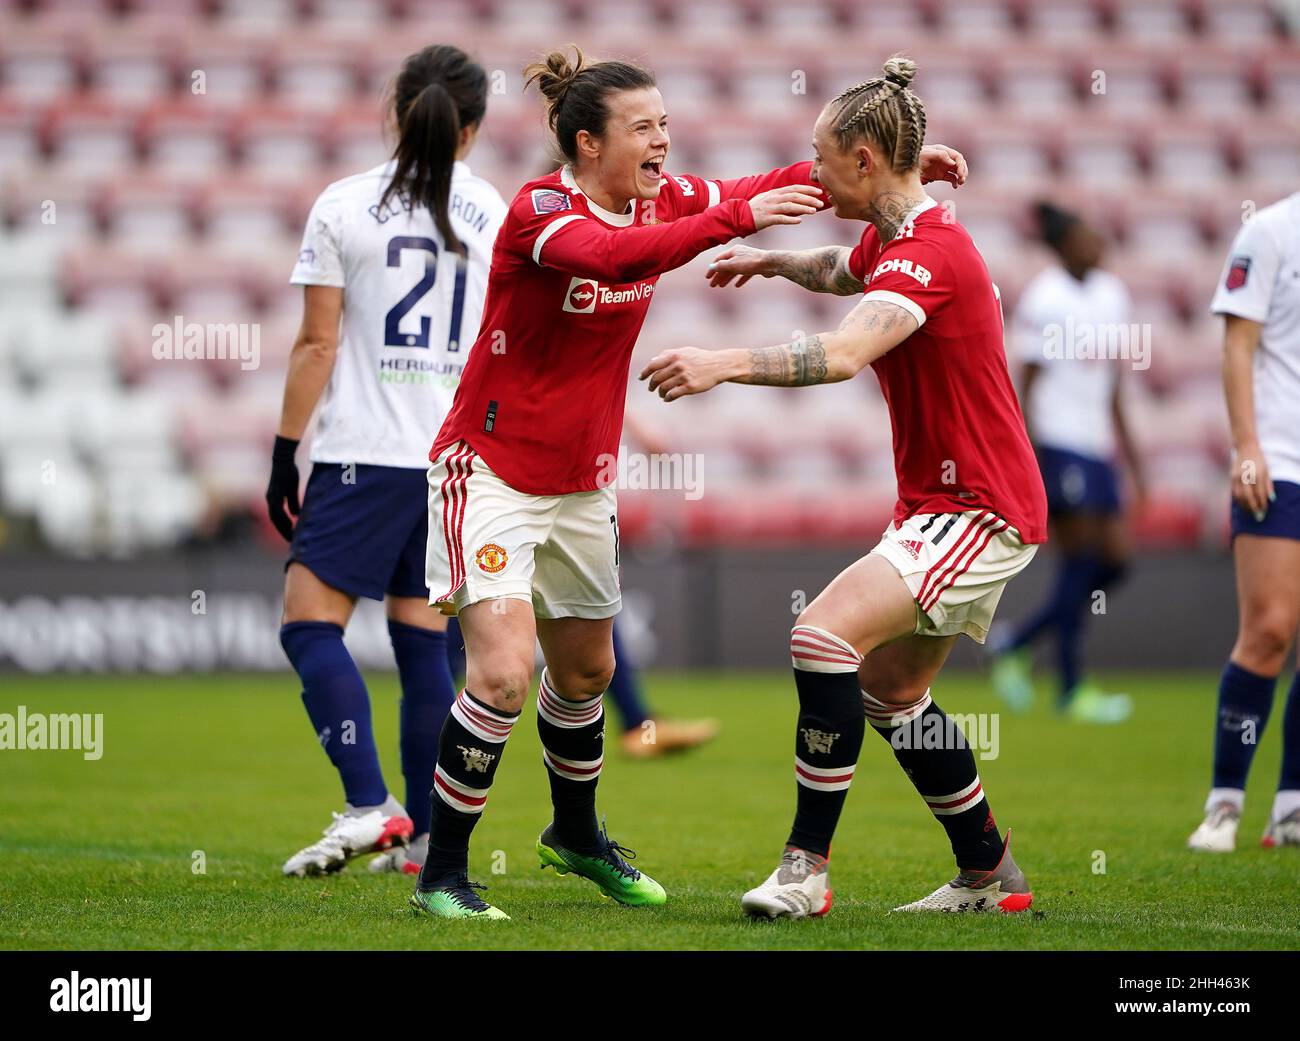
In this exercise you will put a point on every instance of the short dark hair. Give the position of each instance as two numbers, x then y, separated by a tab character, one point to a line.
1054	223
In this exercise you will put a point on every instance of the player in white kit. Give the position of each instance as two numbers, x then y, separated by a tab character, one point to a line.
1075	413
1259	298
394	267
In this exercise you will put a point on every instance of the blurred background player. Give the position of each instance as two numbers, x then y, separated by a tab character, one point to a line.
1075	414
872	642
394	263
1259	298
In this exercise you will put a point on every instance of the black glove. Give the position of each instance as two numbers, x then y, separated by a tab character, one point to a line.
282	489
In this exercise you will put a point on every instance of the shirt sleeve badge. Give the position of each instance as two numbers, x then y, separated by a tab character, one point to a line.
545	200
1238	271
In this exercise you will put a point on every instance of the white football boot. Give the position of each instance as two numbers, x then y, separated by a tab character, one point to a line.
351	835
798	888
1285	832
1003	889
1218	832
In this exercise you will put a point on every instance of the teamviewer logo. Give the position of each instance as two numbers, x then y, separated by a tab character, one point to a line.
581	297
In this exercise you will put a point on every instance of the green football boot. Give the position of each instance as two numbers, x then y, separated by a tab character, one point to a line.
609	869
456	900
1088	704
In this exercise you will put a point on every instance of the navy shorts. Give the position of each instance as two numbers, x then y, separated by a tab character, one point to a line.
1078	483
1282	519
365	538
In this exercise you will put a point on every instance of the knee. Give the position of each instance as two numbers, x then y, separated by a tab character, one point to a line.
1264	641
584	681
891	688
816	649
501	684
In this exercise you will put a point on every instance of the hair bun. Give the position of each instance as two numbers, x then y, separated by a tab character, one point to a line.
554	74
899	70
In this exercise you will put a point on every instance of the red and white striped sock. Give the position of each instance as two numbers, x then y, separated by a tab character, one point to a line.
573	748
829	733
938	760
469	751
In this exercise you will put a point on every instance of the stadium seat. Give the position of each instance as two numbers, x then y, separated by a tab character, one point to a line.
186	138
38	69
1238	21
128	67
1188	154
315	72
89	134
1075	23
1155	22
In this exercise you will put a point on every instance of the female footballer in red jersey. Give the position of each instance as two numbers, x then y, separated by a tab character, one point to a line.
971	506
524	544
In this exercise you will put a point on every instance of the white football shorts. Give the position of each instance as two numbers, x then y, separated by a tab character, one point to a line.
956	565
488	541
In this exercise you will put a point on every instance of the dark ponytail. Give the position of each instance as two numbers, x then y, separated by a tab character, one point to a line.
438	92
577	93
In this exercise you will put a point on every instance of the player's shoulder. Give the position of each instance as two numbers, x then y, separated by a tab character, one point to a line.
1285	211
938	223
1045	285
1108	282
687	187
466	180
1277	225
543	197
935	231
358	185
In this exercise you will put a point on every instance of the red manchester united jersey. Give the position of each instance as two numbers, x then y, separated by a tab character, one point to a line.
541	398
959	437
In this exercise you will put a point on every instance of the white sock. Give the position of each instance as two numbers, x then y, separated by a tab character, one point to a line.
1233	795
1285	803
390	807
419	849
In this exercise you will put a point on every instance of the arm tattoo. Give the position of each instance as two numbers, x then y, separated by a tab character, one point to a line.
875	316
797	364
821	270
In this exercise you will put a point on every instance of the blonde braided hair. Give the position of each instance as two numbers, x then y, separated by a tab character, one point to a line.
886	112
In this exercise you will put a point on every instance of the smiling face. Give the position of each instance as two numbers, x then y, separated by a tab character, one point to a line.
846	176
628	159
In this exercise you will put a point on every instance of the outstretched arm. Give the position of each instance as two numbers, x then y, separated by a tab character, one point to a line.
586	248
823	270
868	332
938	163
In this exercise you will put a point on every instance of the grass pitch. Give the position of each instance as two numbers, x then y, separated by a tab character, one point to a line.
222	772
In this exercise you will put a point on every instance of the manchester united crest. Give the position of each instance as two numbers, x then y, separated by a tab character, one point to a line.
476	759
490	558
818	740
